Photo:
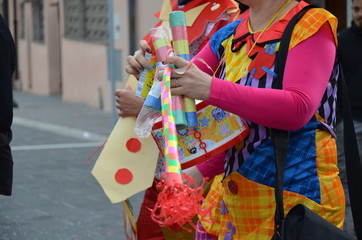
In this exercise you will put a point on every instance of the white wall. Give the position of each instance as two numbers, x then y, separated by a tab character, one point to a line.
349	12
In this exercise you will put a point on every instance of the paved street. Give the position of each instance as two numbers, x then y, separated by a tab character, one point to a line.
55	197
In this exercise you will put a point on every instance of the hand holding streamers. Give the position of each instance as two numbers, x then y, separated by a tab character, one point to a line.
163	49
151	109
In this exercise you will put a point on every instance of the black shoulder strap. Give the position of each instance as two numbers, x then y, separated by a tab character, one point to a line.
282	54
281	137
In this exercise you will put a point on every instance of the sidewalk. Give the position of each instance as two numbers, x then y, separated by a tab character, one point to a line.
55	196
51	109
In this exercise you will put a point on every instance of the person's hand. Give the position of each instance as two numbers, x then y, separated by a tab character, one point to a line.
188	80
137	63
127	103
195	174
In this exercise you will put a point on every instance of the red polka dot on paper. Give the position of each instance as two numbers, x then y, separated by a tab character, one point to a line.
133	145
123	176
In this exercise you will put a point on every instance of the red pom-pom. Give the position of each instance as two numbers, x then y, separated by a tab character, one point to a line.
179	204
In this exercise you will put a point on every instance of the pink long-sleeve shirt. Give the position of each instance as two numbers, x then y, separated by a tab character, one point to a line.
289	108
303	86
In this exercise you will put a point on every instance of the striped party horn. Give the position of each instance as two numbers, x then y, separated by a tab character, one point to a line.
162	45
172	159
161	42
181	48
177	203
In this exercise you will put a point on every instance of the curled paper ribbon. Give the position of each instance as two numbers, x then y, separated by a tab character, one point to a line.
190	64
177	205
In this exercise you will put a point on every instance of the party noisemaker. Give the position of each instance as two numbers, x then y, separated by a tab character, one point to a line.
181	47
177	203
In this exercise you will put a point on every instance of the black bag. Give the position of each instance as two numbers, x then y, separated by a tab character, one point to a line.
301	222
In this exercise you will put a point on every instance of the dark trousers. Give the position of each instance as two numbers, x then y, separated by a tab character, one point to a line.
6	164
147	229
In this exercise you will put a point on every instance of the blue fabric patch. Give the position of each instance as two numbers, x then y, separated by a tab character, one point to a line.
270	48
267	70
222	34
229	235
300	175
224	209
251	76
267	48
273	47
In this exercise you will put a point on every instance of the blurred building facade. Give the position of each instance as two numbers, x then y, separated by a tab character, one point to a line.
62	45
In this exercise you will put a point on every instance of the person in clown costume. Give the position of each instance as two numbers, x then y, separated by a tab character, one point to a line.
242	56
212	16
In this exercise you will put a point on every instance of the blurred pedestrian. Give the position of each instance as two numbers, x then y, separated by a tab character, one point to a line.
7	66
350	41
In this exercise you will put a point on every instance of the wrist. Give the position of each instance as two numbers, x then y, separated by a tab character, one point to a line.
207	89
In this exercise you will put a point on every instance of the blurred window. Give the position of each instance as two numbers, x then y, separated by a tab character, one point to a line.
38	20
86	20
22	22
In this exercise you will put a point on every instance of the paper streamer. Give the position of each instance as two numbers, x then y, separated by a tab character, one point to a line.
130	226
181	47
172	159
161	42
146	78
163	48
153	100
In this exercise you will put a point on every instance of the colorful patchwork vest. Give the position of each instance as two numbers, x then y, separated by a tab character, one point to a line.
244	195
